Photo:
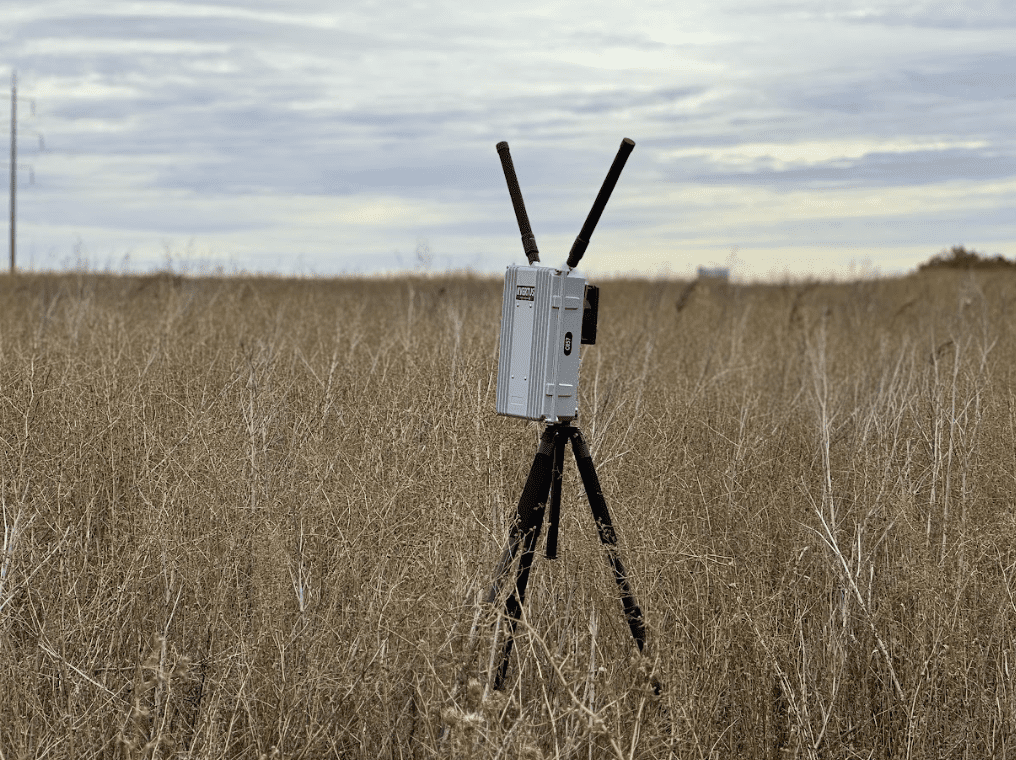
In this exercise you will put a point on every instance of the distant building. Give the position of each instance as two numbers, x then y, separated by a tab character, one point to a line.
714	273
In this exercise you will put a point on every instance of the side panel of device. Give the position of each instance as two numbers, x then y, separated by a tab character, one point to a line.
514	370
560	392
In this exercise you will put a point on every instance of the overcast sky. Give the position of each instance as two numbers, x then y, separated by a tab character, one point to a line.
312	137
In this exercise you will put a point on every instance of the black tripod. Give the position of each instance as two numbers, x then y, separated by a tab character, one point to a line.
545	475
545	480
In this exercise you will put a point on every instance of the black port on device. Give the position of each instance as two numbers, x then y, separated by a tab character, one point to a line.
590	309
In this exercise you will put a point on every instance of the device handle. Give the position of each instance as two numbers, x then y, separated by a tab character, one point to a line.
528	239
582	241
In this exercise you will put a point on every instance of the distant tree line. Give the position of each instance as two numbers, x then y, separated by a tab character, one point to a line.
958	257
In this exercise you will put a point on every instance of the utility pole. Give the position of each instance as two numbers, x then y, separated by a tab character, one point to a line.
15	166
14	162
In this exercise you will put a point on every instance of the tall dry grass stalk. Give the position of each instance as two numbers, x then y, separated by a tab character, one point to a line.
255	518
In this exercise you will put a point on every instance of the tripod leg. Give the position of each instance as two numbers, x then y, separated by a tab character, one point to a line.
526	512
555	494
604	526
526	530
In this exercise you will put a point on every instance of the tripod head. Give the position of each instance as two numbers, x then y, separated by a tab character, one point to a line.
544	310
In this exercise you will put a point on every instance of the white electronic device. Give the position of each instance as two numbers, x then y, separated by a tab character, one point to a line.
545	316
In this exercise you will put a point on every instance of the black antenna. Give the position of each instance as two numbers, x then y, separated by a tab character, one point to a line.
528	239
582	241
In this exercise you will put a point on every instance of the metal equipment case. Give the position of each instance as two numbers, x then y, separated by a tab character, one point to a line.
541	329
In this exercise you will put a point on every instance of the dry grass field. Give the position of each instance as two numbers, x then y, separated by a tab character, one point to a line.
255	519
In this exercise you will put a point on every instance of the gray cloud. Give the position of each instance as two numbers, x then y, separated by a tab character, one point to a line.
879	170
237	117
